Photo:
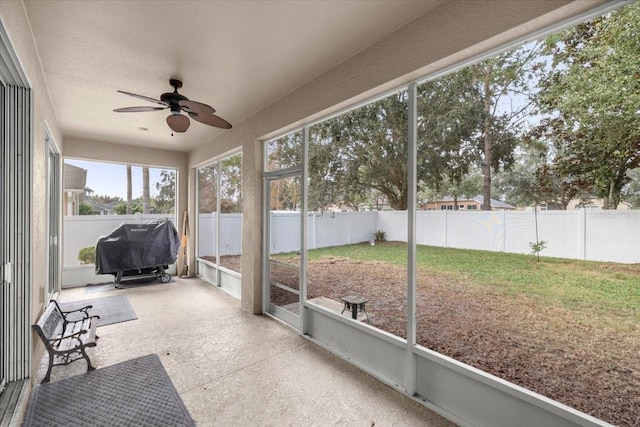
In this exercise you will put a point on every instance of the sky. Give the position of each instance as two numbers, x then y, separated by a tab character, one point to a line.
111	179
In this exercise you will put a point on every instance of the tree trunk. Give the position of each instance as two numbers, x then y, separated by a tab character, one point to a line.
129	190
145	191
609	202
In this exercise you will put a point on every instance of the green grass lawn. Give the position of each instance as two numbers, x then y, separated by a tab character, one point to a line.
594	288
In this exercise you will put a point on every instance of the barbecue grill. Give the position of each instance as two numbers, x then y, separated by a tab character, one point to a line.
138	251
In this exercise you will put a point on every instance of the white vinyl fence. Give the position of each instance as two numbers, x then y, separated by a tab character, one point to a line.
82	231
585	234
580	234
230	234
327	229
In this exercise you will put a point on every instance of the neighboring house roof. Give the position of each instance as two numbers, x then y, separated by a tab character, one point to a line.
75	178
102	207
494	203
99	208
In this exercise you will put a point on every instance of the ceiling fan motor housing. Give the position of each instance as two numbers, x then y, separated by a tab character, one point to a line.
178	103
172	99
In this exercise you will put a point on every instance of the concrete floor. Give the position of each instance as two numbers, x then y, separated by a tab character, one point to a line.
232	368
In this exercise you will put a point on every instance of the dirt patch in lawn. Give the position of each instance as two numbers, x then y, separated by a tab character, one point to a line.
565	355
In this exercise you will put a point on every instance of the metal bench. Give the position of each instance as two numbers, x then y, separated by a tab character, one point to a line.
66	340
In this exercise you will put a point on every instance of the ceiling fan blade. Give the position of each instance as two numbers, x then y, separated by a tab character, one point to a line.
211	120
196	107
178	122
137	109
146	98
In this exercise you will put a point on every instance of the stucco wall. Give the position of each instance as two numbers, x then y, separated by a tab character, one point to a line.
17	26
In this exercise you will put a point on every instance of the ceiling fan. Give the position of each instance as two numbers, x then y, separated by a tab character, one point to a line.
177	103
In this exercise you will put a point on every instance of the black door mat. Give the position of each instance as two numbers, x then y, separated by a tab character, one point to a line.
137	393
114	309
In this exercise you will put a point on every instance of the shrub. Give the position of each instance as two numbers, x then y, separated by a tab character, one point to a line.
537	247
87	255
379	235
85	209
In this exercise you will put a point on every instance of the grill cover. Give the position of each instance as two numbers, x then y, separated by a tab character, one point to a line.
137	246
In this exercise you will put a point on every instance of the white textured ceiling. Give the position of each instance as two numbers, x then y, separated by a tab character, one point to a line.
237	56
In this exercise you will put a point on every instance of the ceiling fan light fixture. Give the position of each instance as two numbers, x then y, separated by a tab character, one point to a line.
178	123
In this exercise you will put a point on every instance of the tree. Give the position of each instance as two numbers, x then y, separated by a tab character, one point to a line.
450	113
284	152
363	152
519	185
504	85
128	208
285	194
555	188
231	184
591	98
465	118
631	192
230	181
146	196
165	201
129	192
207	189
348	152
85	209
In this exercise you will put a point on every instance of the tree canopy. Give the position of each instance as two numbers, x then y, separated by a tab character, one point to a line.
590	97
462	121
230	186
579	91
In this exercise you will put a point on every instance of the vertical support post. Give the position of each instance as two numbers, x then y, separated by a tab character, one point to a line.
446	229
216	225
314	232
266	238
303	228
412	154
504	230
348	227
582	234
